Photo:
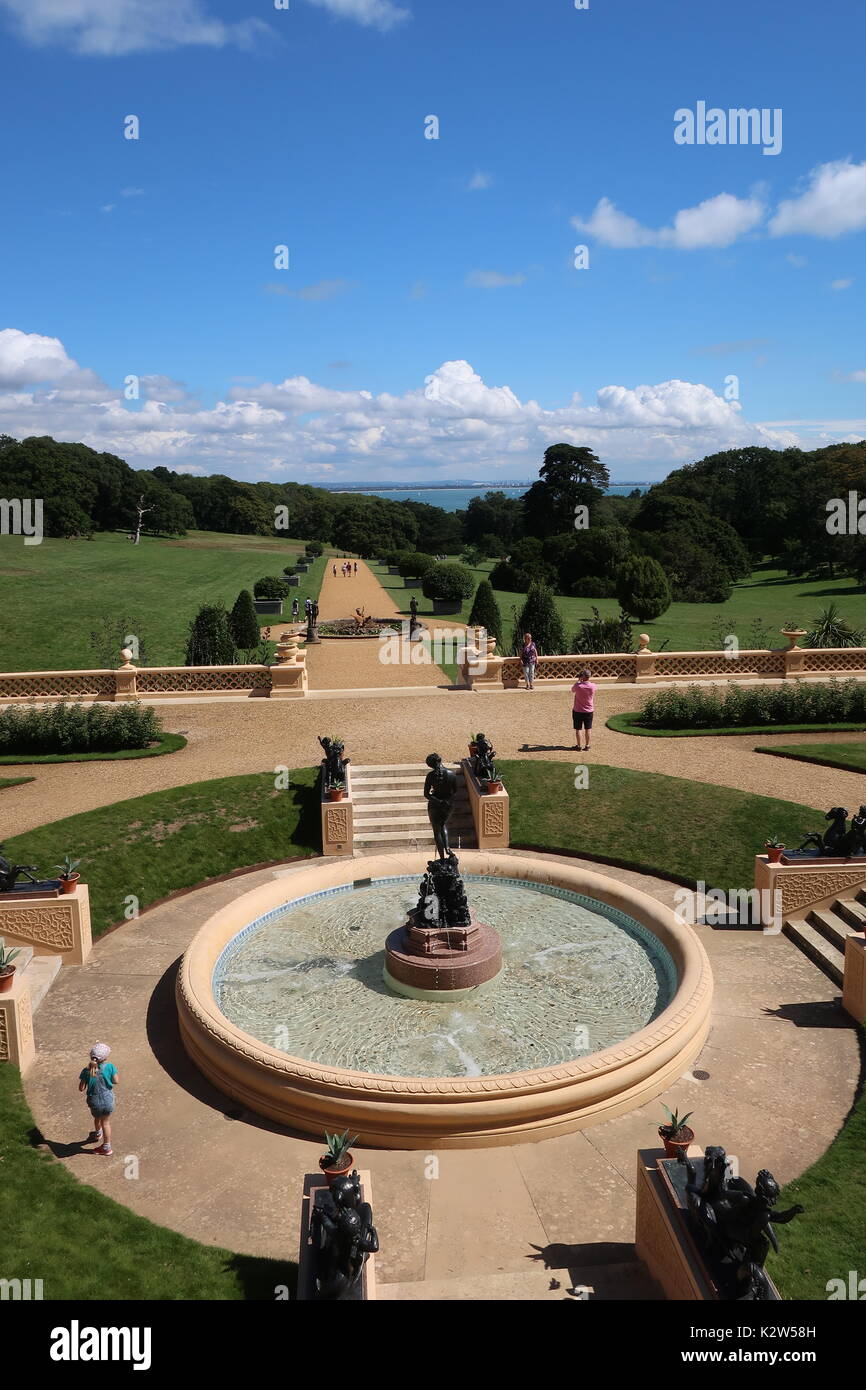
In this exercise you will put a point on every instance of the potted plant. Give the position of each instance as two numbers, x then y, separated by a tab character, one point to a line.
337	1160
68	876
676	1135
494	786
774	847
337	790
7	969
473	745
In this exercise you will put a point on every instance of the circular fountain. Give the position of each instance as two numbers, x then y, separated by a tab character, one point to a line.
594	998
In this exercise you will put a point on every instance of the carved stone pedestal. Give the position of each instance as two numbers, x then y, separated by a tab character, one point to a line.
53	924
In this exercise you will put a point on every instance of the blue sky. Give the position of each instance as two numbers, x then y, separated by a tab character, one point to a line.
431	322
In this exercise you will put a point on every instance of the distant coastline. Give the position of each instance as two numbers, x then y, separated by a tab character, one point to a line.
487	484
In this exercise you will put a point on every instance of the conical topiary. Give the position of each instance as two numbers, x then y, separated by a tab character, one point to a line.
540	616
210	641
485	611
243	624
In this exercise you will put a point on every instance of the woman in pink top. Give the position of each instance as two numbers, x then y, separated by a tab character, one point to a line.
584	705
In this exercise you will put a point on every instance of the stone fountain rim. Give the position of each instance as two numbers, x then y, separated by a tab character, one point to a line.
200	1016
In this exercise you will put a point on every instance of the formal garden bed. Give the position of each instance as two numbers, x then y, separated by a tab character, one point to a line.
347	627
789	708
81	733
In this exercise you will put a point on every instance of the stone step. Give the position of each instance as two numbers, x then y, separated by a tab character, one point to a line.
825	955
407	819
41	974
383	838
628	1281
853	910
832	927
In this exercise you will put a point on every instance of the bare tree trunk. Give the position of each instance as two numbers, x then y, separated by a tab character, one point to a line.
141	509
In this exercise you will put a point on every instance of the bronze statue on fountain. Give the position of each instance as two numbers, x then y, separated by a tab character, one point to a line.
333	763
440	789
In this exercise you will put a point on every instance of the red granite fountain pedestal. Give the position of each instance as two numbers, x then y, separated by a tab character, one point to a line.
426	962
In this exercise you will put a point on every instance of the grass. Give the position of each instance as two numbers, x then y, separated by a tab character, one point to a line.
663	825
628	724
829	1239
160	583
14	781
53	1224
849	757
154	845
768	595
169	743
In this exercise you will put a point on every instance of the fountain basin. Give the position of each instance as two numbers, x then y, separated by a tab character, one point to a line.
409	1111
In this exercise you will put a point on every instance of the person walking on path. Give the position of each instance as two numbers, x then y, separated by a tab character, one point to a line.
356	566
334	568
584	706
294	610
98	1080
529	660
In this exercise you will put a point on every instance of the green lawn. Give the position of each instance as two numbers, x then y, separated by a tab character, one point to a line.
629	723
160	584
769	596
665	825
13	781
153	845
85	1246
169	743
850	757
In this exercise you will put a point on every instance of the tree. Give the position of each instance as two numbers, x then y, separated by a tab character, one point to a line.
598	635
540	616
271	586
210	641
493	514
243	624
448	581
413	565
526	563
569	478
485	611
642	588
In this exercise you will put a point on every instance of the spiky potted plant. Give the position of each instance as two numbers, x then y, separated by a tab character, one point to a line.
775	848
68	876
793	631
473	745
7	969
337	790
676	1135
337	1160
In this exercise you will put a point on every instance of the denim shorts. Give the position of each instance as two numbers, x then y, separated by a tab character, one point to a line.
98	1114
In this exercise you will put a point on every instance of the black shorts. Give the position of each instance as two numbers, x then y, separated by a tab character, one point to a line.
581	720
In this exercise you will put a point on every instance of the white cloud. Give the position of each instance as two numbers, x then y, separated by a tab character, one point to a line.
321	289
493	279
452	424
109	28
859	375
833	203
718	221
480	180
108	207
377	14
28	358
131	192
841	284
794	259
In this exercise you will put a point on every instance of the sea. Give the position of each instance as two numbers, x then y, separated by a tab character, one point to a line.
457	499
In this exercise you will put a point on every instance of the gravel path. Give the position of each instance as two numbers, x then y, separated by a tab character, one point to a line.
356	663
240	735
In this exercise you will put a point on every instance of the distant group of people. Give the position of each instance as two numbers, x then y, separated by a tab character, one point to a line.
583	690
346	568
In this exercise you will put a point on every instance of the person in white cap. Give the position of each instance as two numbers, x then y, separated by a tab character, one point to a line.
98	1080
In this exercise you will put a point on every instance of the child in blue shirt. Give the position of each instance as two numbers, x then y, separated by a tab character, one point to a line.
98	1080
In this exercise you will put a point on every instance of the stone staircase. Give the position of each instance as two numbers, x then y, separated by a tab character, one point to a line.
822	932
629	1281
390	811
38	971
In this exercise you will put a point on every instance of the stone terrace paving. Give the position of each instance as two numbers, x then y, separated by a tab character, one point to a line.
774	1016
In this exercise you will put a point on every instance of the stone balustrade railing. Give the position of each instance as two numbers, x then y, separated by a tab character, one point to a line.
484	670
286	679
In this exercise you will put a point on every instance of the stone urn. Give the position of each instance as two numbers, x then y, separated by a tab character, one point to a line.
793	635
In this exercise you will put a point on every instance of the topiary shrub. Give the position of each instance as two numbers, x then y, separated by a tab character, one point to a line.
243	624
271	586
448	582
642	588
485	611
315	549
210	640
414	564
540	616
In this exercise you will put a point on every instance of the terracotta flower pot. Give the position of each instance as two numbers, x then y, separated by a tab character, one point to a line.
68	885
336	793
473	749
331	1174
673	1147
493	787
774	853
6	978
